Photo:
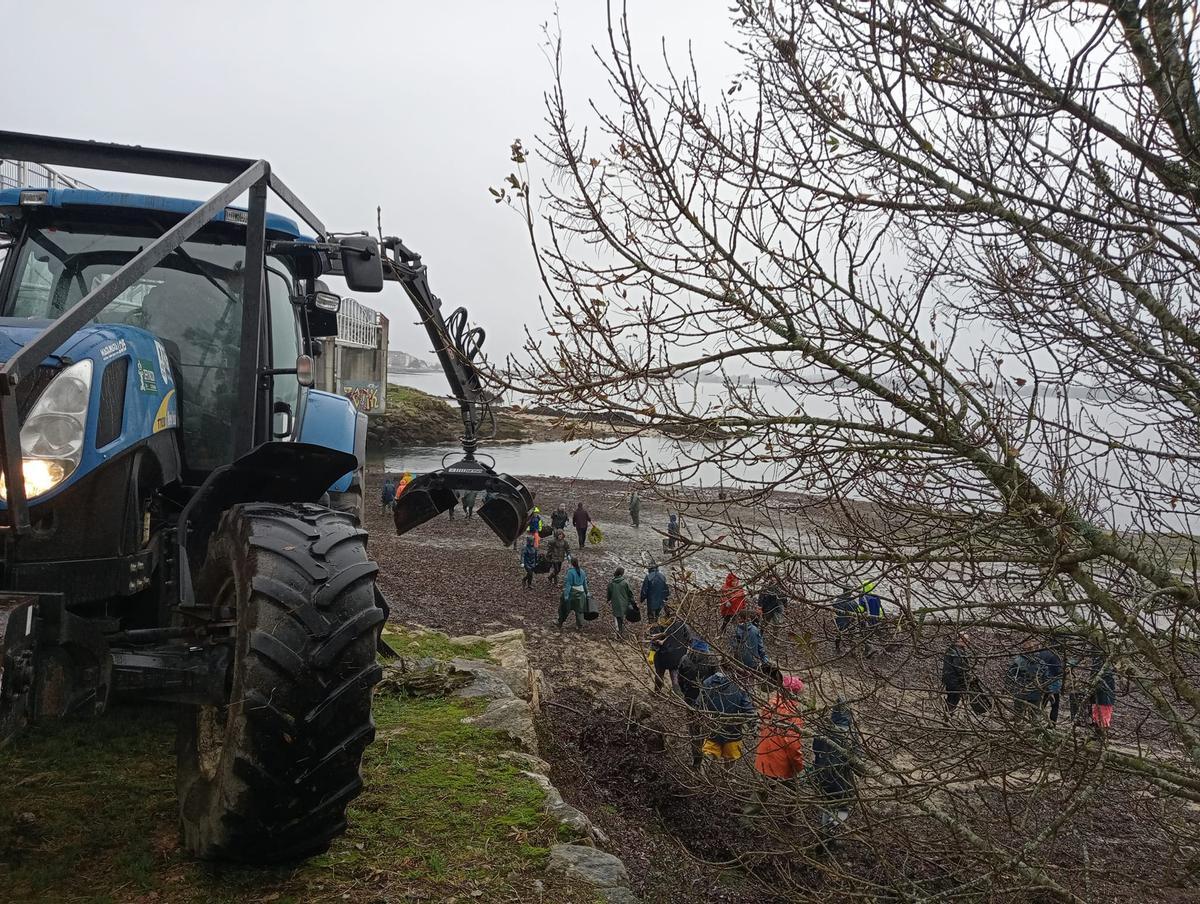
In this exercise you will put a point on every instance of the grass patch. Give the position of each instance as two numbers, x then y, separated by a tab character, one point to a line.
418	644
88	814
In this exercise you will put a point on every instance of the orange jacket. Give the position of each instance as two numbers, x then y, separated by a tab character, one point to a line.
733	598
403	484
780	742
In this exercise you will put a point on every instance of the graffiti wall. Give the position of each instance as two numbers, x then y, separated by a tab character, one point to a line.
365	396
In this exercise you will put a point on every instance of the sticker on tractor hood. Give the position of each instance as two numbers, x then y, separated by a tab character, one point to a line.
113	349
166	417
147	381
164	364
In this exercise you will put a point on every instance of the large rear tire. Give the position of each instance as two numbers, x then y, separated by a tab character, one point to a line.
266	777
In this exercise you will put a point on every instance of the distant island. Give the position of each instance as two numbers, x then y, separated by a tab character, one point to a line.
402	362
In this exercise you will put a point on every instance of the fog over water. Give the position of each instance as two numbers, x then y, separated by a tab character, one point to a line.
1089	411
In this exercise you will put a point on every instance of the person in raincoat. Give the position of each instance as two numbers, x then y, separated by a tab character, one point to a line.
405	480
468	503
620	598
959	665
848	612
833	775
655	592
871	607
557	550
771	601
747	644
574	595
559	519
1052	670
1104	694
535	526
727	708
581	519
674	532
387	495
698	665
1024	680
635	507
670	638
779	757
733	600
529	561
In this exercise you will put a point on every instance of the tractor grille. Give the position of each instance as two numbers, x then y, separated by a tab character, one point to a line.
112	402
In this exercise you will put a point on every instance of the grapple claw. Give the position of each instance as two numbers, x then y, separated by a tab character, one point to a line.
506	510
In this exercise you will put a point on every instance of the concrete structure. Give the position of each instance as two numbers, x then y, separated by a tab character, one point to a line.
355	363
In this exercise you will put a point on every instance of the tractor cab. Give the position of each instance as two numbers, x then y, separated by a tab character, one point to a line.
186	309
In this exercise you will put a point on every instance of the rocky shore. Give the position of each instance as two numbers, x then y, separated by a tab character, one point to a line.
416	418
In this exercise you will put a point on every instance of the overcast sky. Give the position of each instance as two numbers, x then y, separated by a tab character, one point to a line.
409	105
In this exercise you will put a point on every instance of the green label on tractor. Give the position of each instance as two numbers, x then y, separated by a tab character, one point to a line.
147	382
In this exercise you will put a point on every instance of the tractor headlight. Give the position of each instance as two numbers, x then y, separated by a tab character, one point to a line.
53	432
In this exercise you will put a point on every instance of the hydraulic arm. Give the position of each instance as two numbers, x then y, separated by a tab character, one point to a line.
507	502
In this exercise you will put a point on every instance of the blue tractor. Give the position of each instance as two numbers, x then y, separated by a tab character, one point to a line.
179	508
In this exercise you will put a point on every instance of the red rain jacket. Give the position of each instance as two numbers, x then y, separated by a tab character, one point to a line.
733	598
780	742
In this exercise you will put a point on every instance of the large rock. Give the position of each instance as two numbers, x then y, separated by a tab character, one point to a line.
589	864
467	640
508	649
575	821
526	761
511	716
492	680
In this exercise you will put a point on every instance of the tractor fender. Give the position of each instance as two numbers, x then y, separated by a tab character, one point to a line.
333	421
273	472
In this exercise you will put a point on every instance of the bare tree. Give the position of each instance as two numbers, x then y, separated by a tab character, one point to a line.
944	259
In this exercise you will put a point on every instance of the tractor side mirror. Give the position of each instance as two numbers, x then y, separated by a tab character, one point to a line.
283	422
362	267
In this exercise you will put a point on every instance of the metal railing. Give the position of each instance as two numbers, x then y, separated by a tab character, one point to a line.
20	174
358	325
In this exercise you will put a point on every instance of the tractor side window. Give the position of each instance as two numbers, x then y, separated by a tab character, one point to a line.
33	290
285	337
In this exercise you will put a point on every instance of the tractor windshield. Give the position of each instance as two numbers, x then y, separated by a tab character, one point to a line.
191	301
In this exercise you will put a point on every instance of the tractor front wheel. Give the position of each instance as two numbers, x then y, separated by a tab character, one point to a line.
266	777
350	501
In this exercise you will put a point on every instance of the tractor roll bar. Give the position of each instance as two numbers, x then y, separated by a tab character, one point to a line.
239	175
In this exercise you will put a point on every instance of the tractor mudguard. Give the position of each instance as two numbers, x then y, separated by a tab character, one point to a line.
273	472
326	419
506	509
